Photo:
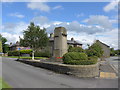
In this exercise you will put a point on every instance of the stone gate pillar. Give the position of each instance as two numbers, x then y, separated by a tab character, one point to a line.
60	42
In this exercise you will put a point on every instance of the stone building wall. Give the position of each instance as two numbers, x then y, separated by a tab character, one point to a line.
105	48
60	42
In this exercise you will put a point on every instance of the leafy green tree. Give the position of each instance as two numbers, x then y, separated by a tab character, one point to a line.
1	50
112	52
94	50
5	47
75	49
35	38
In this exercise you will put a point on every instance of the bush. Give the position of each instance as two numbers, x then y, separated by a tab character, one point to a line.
26	51
42	54
13	53
75	58
81	62
94	50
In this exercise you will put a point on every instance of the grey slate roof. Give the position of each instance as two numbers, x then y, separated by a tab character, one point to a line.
68	41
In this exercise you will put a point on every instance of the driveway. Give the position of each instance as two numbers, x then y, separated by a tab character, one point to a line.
20	75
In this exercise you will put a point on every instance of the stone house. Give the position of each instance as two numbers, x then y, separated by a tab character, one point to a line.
105	48
17	46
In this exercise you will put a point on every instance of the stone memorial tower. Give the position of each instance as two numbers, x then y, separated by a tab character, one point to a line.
60	42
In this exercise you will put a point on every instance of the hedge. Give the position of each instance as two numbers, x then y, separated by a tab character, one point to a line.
81	62
76	58
37	54
14	53
29	51
42	54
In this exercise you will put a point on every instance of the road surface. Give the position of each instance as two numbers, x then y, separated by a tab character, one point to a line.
20	75
114	62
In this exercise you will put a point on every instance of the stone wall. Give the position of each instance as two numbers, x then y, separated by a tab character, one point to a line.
76	70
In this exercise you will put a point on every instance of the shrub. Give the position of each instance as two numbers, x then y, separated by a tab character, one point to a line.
75	49
94	50
29	51
75	58
42	54
93	58
81	62
13	53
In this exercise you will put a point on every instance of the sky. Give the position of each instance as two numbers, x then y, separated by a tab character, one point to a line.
84	21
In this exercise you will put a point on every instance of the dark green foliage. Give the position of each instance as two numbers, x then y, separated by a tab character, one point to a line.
42	54
5	47
76	58
34	37
94	50
75	49
114	52
14	53
81	62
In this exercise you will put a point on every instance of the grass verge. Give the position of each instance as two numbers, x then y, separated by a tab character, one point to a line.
25	57
3	84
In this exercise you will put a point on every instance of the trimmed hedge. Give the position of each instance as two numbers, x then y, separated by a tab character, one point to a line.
76	58
37	54
42	54
14	53
29	51
17	53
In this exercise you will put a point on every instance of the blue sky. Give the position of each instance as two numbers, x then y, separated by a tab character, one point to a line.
85	21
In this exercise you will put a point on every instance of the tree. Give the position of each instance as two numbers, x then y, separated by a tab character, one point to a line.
5	47
35	38
75	49
1	50
94	50
112	52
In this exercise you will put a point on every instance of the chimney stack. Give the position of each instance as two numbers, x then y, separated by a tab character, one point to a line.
51	35
72	39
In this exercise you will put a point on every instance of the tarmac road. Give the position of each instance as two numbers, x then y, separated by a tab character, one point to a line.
114	62
20	75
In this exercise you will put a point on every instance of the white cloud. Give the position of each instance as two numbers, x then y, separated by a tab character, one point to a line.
40	20
76	27
15	28
42	6
17	15
113	5
58	7
101	20
11	37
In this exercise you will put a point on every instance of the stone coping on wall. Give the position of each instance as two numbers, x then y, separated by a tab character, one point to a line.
75	70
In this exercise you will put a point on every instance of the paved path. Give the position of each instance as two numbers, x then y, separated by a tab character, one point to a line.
20	75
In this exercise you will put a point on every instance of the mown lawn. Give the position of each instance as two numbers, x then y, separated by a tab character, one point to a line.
3	84
26	57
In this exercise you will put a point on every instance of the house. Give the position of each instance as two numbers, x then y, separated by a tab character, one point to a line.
17	46
105	48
